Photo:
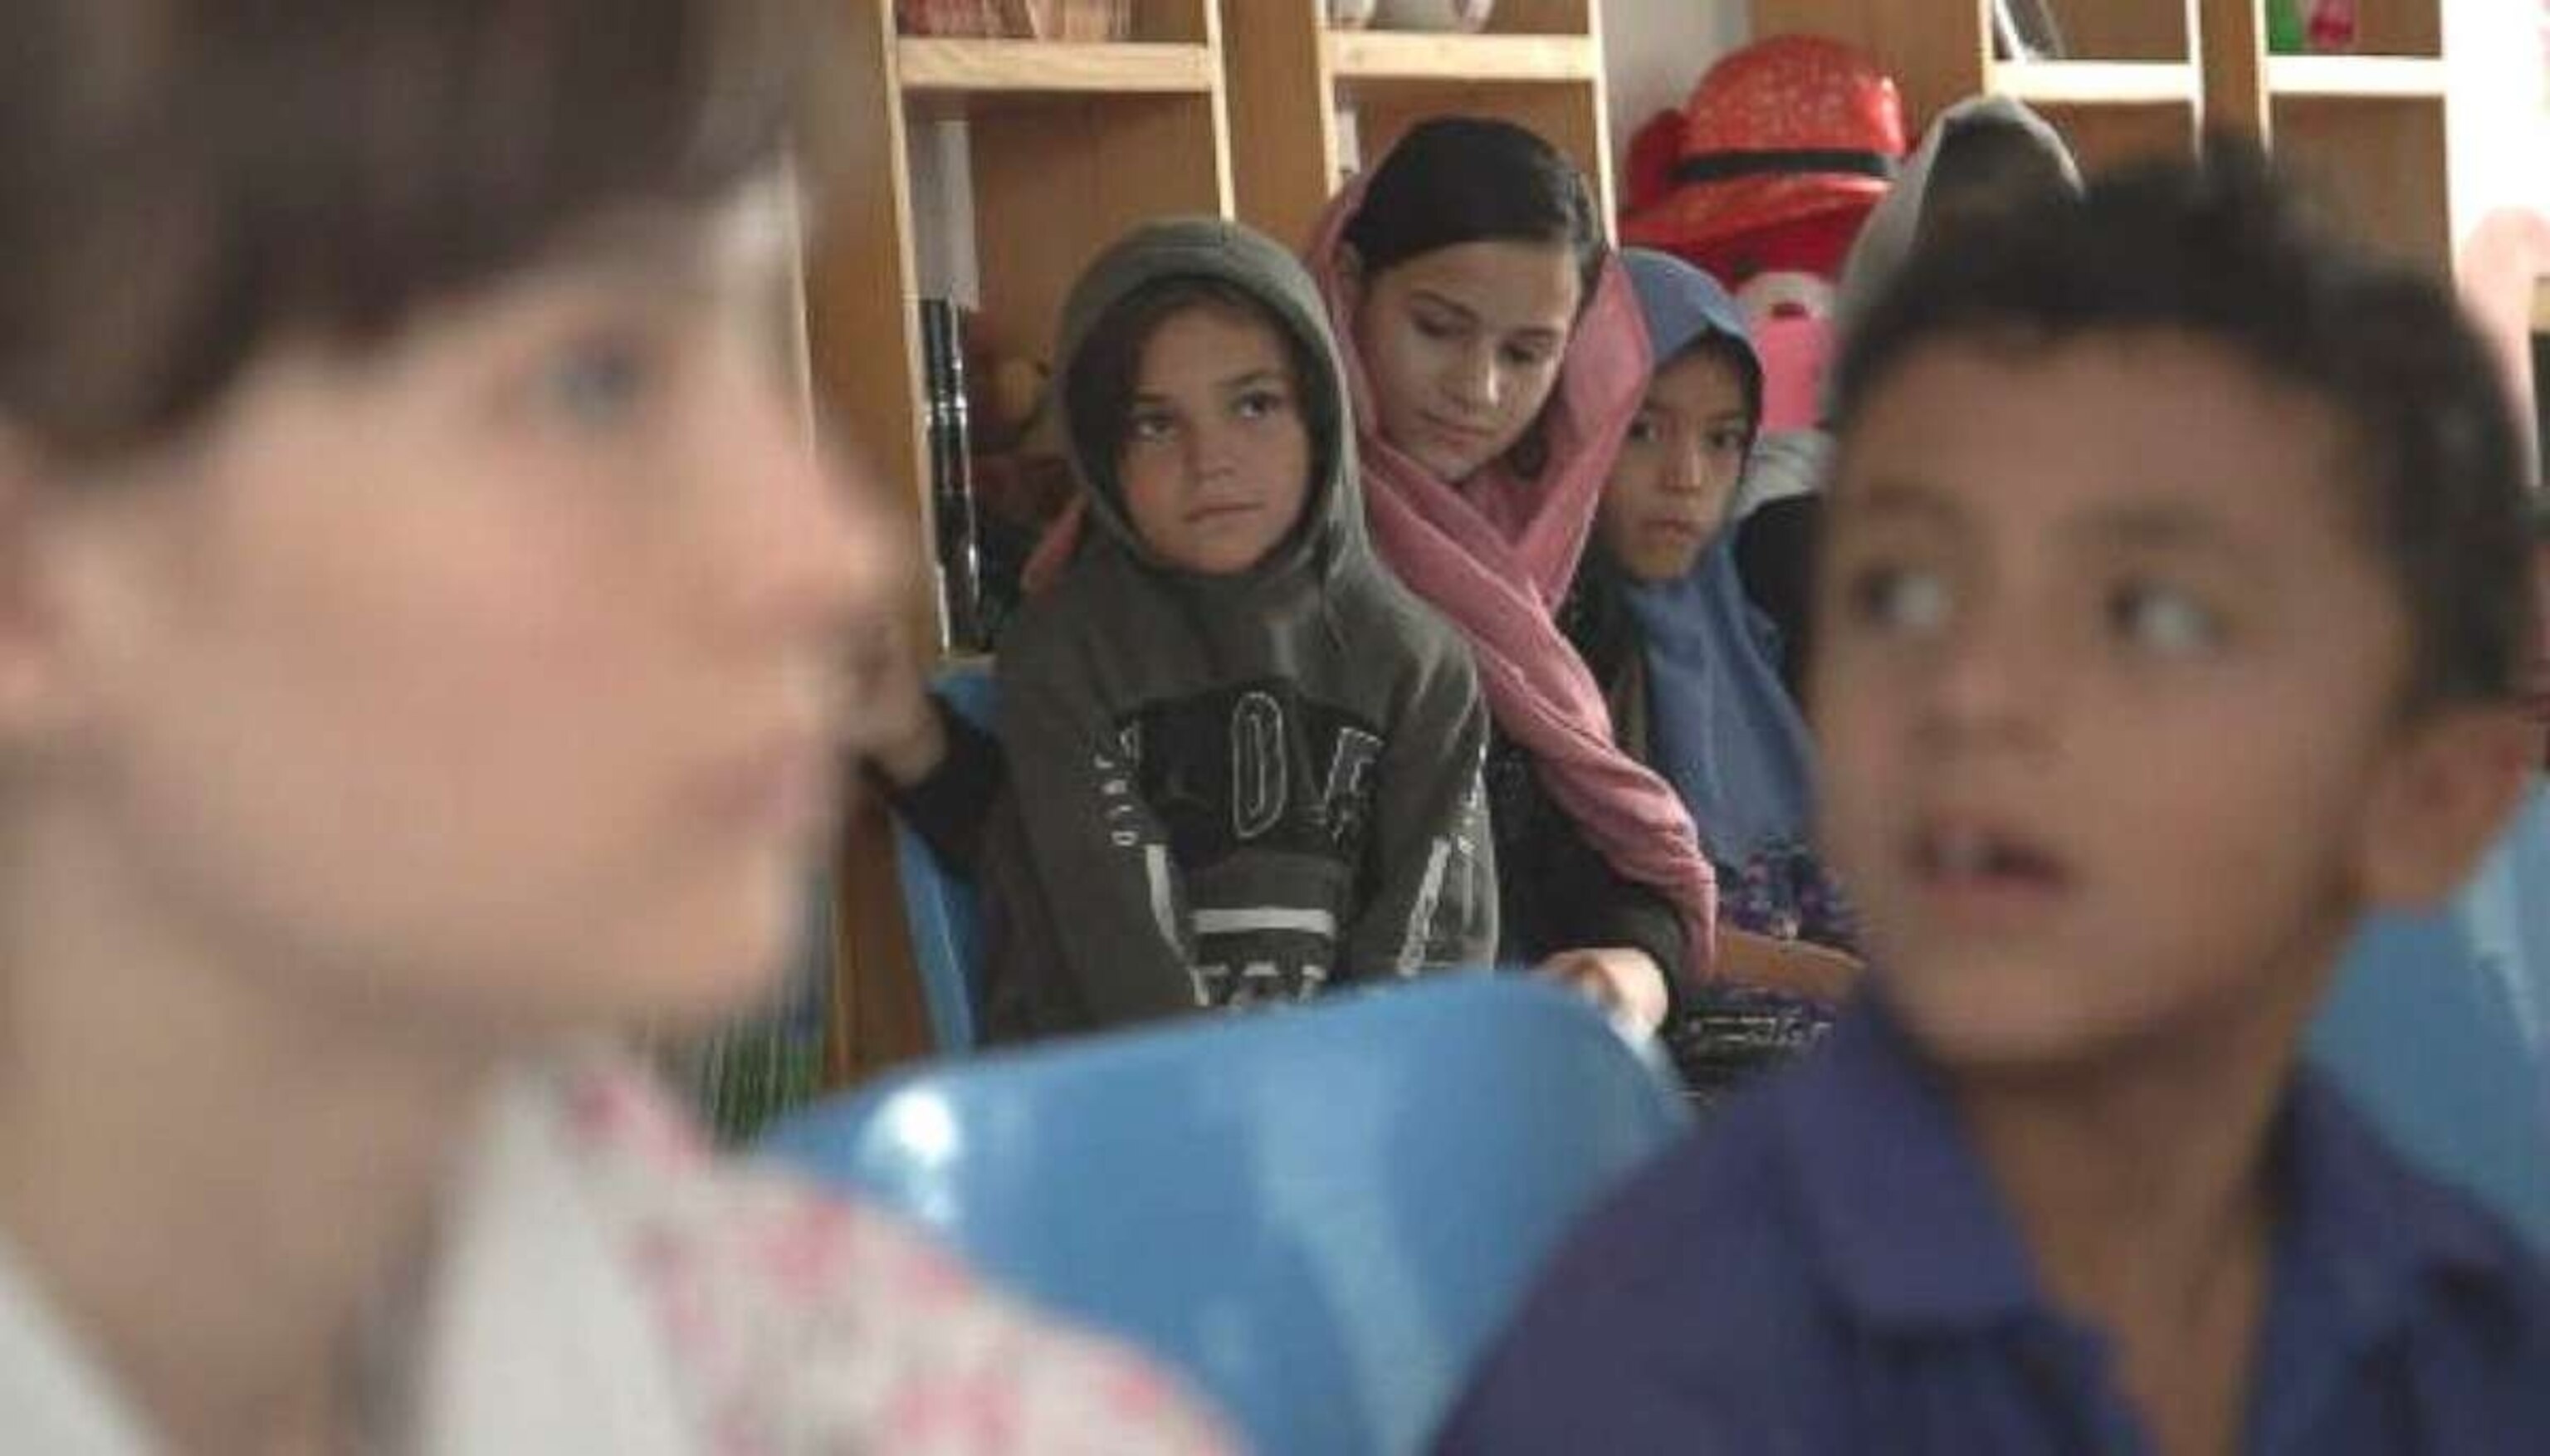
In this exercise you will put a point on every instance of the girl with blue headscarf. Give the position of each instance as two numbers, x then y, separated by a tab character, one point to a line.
1690	664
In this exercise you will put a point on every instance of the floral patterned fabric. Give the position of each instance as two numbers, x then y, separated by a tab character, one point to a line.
799	1323
1785	893
606	1284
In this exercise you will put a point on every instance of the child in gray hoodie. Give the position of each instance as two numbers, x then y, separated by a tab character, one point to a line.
1244	760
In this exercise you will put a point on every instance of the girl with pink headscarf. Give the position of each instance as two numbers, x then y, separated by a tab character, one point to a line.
1495	357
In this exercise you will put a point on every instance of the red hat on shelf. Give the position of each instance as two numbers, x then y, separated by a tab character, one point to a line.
1787	128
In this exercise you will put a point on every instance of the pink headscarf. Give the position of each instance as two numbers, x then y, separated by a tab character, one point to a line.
1495	555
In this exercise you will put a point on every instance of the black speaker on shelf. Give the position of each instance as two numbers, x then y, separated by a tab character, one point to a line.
957	561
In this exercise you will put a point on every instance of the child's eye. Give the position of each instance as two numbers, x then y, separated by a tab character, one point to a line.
2163	621
1260	403
1150	427
1908	600
1730	440
1526	356
601	381
1646	428
1436	328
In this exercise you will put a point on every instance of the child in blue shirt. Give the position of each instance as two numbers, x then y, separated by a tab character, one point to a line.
2173	614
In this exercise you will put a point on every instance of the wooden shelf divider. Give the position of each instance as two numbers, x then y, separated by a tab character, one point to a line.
1050	68
2097	82
1370	55
2336	77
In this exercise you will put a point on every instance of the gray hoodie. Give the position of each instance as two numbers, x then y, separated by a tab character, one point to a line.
1237	789
1886	240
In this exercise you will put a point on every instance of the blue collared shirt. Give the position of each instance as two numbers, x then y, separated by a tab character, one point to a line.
1826	1269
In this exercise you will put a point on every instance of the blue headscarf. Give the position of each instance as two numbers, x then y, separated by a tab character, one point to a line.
1721	726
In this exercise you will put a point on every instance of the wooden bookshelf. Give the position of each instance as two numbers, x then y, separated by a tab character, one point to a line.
2094	83
1068	145
2140	76
1053	68
2130	80
2381	160
1540	64
1369	56
2366	129
2356	77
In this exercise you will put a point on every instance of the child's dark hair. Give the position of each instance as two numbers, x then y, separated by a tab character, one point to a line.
2226	252
1463	179
183	182
1106	372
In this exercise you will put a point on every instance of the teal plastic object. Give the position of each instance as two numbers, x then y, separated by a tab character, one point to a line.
1319	1214
2438	1026
940	910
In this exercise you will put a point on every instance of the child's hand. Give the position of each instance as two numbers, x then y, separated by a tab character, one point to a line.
1796	967
1624	982
902	733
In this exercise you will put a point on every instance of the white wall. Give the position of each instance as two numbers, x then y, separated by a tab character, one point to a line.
1654	50
2498	121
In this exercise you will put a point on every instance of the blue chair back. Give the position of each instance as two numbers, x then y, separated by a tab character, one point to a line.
939	909
2439	1028
1320	1214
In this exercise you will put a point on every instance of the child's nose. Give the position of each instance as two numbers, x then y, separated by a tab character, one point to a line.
1994	682
1209	453
818	554
1686	467
1473	381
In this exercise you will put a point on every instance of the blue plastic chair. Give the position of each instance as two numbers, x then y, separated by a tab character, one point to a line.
2439	1027
1321	1215
940	908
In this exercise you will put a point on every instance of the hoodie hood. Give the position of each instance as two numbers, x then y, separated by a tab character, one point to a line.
1682	303
1720	724
1230	789
1887	239
1210	251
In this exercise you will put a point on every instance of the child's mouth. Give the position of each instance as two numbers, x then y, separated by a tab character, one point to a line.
1463	437
1221	512
1984	878
1675	528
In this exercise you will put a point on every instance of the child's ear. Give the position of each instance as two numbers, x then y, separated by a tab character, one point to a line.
40	559
2441	803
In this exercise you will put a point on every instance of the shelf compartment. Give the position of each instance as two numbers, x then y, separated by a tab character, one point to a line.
2382	163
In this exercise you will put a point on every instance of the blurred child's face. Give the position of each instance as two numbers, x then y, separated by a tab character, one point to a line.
1217	462
490	678
2107	684
1463	347
1678	469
